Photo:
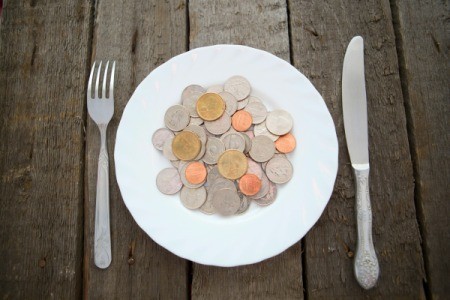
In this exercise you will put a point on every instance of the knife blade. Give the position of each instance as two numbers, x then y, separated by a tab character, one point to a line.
354	103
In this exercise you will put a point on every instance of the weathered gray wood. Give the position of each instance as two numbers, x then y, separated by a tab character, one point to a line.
140	35
320	34
423	44
43	49
263	25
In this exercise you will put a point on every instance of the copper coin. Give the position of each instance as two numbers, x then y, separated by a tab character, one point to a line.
241	120
195	173
249	184
285	143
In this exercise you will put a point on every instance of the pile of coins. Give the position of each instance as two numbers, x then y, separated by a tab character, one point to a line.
226	149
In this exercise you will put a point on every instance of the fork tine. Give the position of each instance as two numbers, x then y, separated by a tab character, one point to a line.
111	84
89	89
98	80
104	80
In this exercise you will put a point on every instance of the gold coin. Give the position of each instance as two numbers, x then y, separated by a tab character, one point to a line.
232	164
186	145
210	106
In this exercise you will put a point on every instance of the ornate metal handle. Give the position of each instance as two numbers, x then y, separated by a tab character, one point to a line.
366	263
102	239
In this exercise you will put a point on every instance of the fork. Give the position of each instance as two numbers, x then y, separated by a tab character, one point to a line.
101	110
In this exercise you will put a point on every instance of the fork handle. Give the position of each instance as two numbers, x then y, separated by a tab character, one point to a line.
102	240
366	263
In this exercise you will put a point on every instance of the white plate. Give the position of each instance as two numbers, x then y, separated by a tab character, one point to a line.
261	232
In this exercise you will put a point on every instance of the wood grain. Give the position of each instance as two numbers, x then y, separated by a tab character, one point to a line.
262	25
320	33
43	49
139	35
423	44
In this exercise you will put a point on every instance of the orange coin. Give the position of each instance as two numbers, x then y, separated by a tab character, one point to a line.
249	184
286	143
195	173
241	120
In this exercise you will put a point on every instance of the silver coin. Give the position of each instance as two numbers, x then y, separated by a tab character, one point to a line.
248	142
220	125
279	122
176	117
230	103
265	185
168	181
223	183
242	104
252	99
184	180
160	136
261	129
279	170
207	207
226	201
254	168
214	148
258	112
233	140
263	148
189	98
199	131
215	89
195	121
213	175
245	204
167	150
238	86
270	197
193	198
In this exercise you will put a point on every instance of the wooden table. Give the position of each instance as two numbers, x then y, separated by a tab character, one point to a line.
49	146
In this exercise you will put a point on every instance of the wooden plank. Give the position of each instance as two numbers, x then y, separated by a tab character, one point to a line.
43	49
140	35
320	34
262	25
423	42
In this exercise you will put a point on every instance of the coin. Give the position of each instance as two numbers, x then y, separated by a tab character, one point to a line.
189	98
198	130
245	204
270	197
241	120
186	145
238	86
242	104
220	125
248	142
233	140
261	129
262	148
207	207
285	143
265	184
215	89
168	181
230	102
160	136
252	99
214	148
195	173
210	106
226	202
167	150
193	198
279	170
196	121
182	172
176	117
232	164
254	168
258	112
249	184
279	122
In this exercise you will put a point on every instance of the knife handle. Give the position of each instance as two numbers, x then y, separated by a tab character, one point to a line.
366	263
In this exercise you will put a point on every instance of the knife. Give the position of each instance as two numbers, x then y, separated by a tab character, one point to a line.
354	104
